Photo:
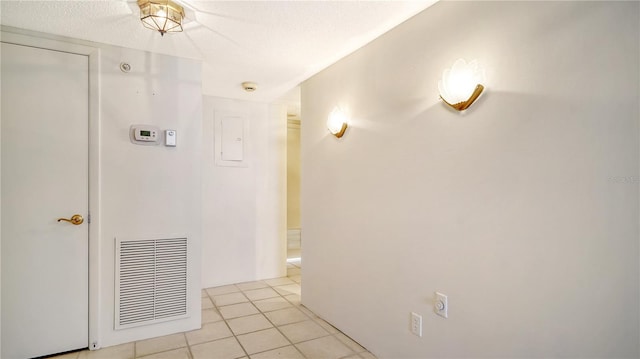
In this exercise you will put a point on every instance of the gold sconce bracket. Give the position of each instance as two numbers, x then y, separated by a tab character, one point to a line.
337	122
342	130
461	106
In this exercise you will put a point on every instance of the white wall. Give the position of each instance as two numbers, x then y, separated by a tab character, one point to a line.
524	210
149	191
138	191
271	229
244	208
235	218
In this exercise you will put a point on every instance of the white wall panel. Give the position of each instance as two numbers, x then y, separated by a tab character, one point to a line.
149	191
244	203
523	210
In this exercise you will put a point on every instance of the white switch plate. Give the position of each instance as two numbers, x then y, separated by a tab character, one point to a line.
170	137
416	324
441	306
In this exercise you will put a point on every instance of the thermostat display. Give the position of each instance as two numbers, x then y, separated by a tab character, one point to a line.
145	134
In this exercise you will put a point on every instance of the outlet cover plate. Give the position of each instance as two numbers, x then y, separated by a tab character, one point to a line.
441	305
416	324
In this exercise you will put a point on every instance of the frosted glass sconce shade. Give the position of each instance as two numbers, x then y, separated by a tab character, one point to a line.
461	85
161	15
337	122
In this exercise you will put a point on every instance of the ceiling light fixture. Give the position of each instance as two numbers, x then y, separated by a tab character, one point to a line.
161	15
460	85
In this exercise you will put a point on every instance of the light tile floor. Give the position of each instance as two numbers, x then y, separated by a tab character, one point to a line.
257	320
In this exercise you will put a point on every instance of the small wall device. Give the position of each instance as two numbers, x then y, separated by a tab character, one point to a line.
145	135
170	138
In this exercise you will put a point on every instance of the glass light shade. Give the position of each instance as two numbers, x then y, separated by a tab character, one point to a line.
459	83
161	15
337	122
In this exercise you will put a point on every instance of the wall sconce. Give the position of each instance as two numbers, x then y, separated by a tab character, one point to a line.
461	84
161	15
337	122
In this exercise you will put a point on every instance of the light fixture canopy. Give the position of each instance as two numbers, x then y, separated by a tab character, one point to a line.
461	85
249	86
337	122
161	15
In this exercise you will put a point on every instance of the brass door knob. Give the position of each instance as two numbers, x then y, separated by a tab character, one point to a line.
75	219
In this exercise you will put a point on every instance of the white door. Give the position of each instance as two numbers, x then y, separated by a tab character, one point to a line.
44	177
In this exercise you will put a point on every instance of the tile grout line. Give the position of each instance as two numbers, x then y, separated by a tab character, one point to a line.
240	344
160	352
269	320
280	295
278	329
311	319
329	334
227	323
225	320
190	354
274	326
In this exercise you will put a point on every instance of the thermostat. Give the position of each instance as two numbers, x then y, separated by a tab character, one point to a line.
145	134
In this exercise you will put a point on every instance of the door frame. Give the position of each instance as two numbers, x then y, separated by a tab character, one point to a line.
49	42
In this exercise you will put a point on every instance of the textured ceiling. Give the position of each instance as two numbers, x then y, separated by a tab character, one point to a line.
277	44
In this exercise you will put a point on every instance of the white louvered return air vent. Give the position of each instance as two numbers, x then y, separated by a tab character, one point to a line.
151	281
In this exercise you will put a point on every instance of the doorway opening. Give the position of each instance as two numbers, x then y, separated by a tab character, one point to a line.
294	230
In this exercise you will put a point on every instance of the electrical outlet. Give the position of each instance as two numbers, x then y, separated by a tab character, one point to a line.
441	305
416	324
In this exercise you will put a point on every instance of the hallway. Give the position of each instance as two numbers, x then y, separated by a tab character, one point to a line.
256	320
